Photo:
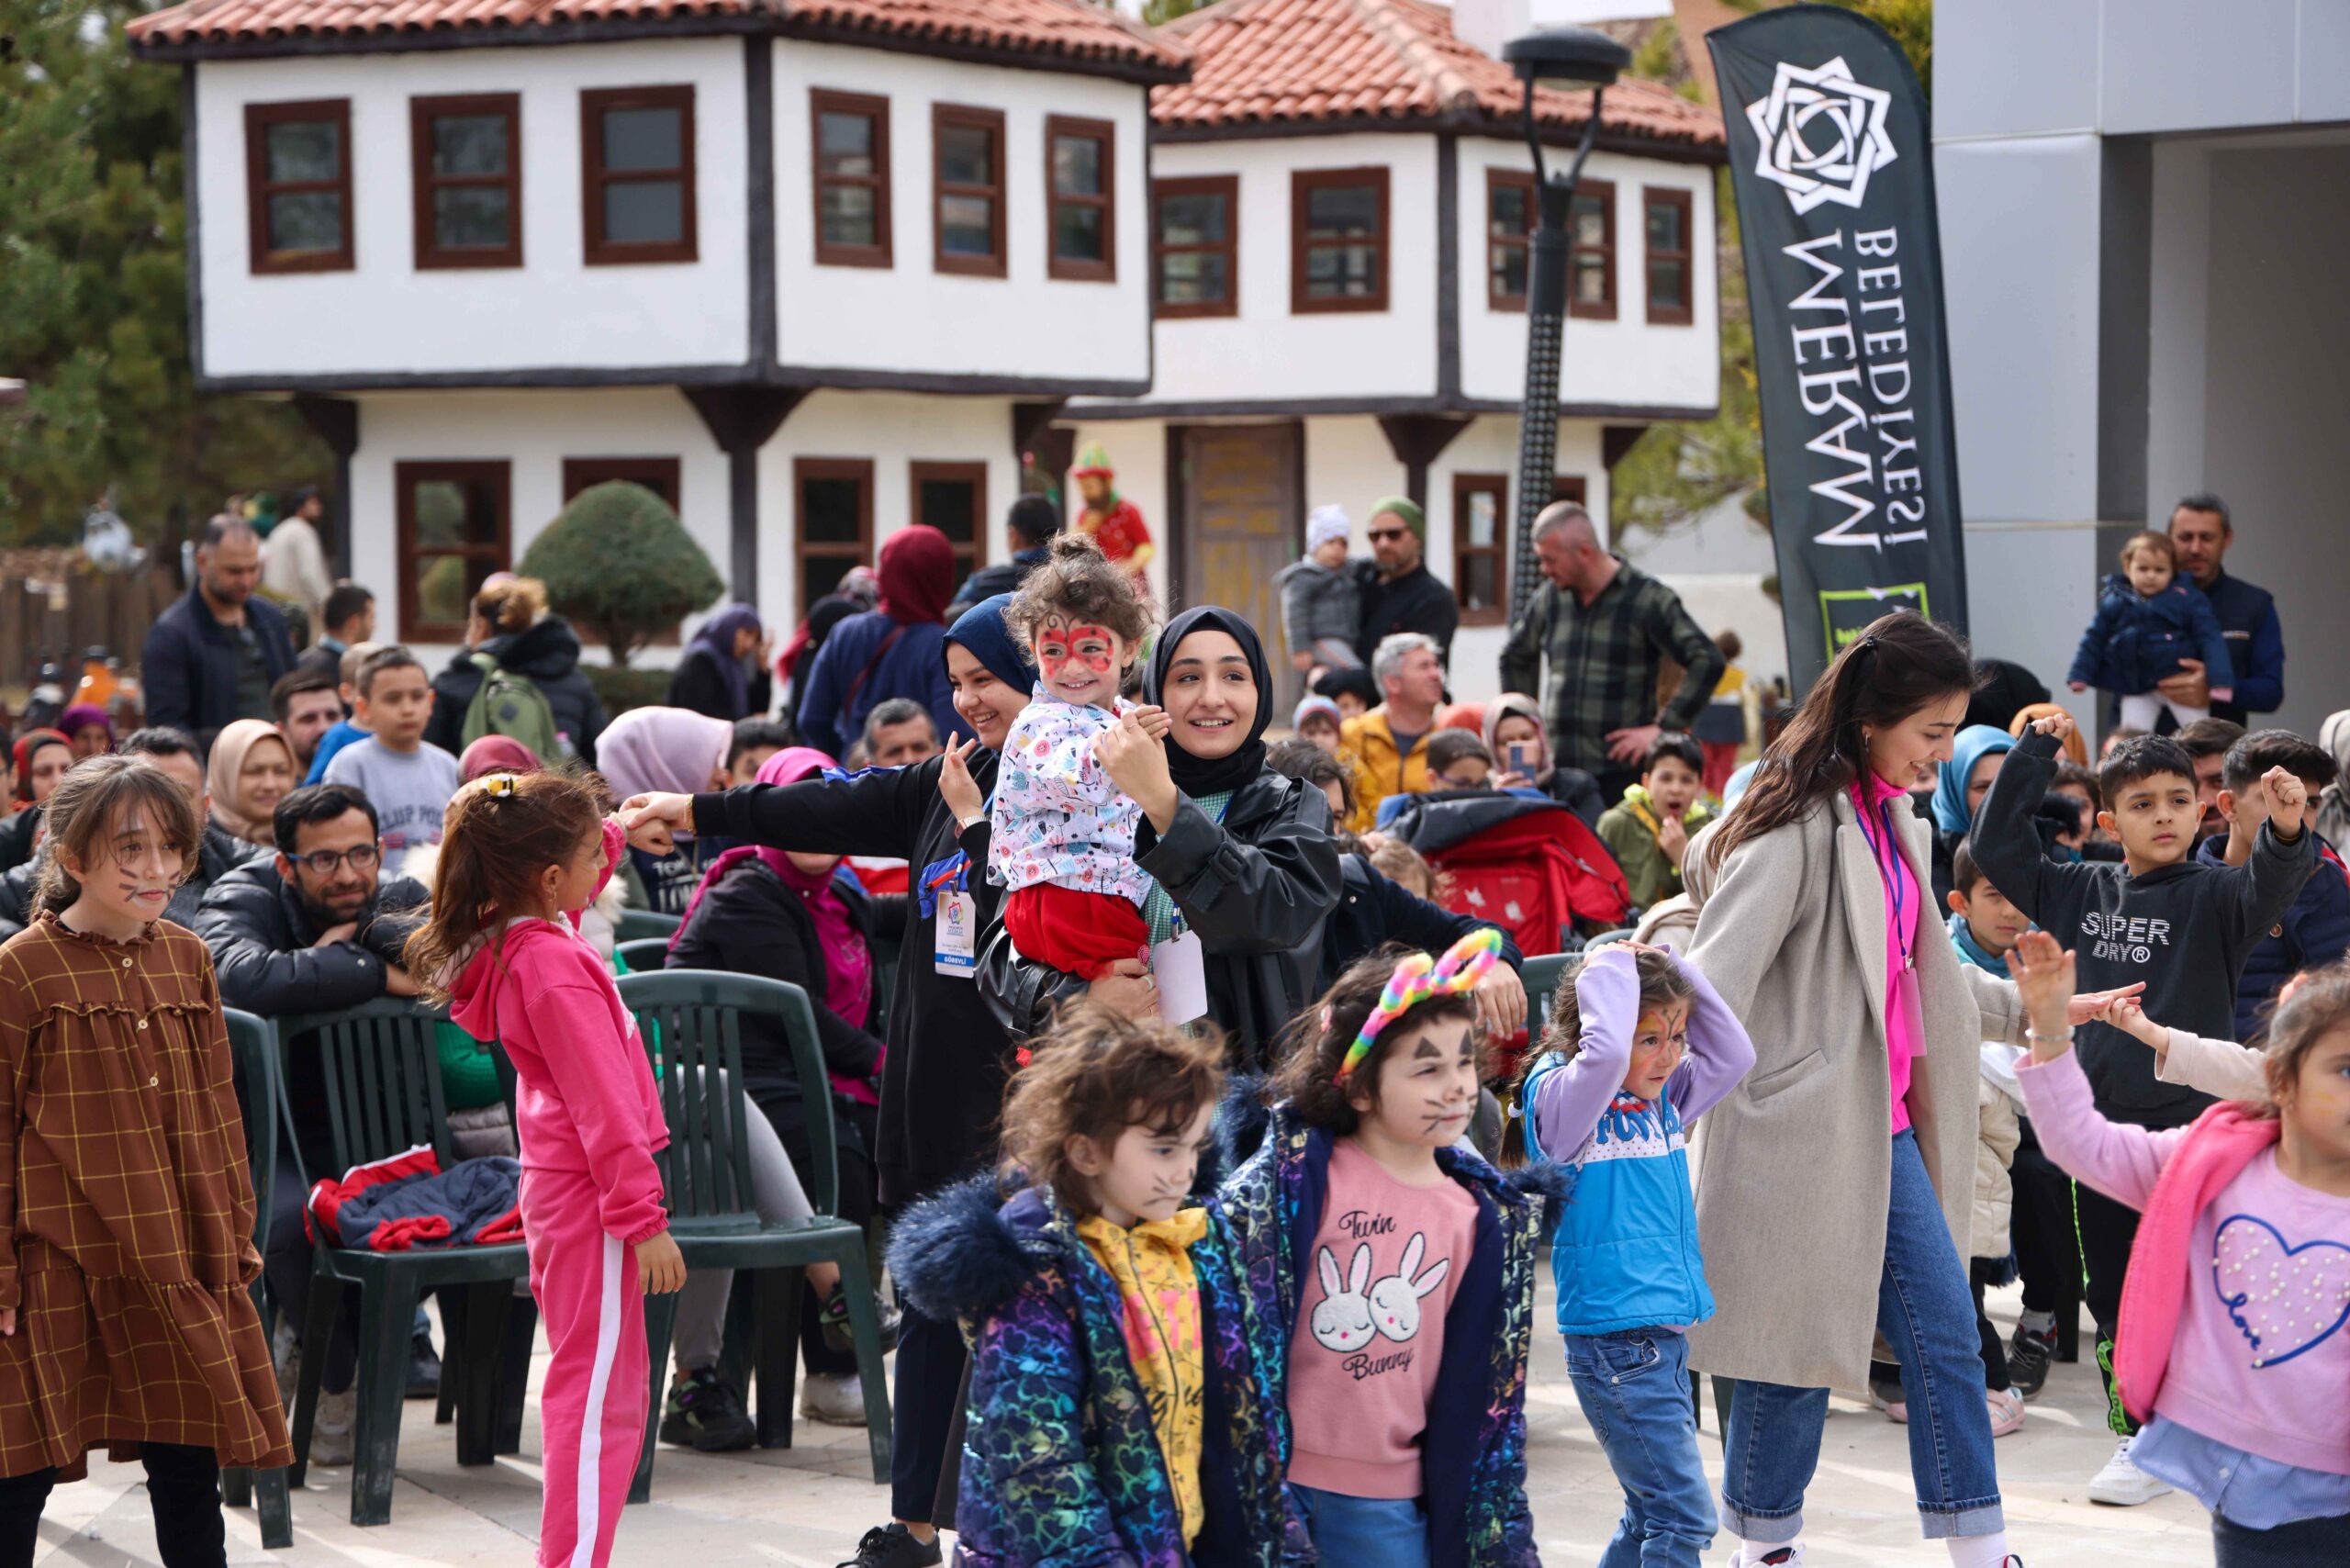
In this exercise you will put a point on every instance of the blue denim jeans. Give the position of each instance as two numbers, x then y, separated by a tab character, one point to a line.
1364	1532
1634	1390
1926	1312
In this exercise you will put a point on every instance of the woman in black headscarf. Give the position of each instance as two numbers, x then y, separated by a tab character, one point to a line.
1241	853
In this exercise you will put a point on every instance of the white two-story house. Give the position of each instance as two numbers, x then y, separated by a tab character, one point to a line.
1340	200
811	271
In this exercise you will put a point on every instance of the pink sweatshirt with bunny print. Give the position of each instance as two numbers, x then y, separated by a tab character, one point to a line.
1370	1334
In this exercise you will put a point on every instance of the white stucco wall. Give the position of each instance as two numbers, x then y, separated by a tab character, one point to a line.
1266	353
1623	362
551	312
534	431
910	317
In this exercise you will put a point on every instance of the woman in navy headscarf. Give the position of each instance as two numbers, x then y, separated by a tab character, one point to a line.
724	671
948	1057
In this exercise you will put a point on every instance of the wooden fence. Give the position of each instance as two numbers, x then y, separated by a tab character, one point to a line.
56	610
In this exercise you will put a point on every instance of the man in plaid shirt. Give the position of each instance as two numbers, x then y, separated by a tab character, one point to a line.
1605	626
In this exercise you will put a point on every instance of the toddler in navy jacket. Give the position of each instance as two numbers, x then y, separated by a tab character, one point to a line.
2148	619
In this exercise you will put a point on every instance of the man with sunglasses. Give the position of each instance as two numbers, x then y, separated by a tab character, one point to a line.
1398	591
315	929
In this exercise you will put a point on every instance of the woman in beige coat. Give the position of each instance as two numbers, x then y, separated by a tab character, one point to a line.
1835	1186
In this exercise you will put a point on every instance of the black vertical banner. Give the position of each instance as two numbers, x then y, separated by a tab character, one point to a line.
1833	171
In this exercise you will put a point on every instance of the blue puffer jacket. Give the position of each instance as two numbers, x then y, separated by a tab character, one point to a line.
2313	934
1473	1451
2133	641
1061	1466
1626	1253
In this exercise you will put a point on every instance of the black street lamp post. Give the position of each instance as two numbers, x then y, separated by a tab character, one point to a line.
1559	57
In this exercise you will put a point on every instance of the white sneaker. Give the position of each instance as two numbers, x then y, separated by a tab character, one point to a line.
835	1399
2122	1484
1739	1559
332	1440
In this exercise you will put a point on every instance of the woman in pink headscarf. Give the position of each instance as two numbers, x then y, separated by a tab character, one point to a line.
894	650
648	749
792	916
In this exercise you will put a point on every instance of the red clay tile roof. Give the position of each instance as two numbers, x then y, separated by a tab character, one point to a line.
1072	31
1291	61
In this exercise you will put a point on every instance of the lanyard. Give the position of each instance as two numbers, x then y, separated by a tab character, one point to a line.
953	874
1881	849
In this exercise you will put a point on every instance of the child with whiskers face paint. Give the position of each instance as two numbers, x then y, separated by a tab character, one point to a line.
1391	1274
1062	834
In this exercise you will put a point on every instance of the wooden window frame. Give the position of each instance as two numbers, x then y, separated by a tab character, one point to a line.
943	117
1303	182
861	553
974	474
1106	133
1605	190
405	477
579	473
259	118
1228	188
1504	528
423	183
1667	195
1496	181
595	250
822	101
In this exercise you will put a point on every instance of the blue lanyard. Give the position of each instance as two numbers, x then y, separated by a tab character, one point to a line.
1882	849
955	869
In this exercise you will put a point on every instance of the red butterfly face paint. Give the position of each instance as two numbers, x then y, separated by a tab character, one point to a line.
1078	660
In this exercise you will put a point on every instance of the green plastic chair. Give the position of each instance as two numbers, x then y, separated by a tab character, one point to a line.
692	1022
256	1054
886	952
643	955
381	1064
1542	977
637	923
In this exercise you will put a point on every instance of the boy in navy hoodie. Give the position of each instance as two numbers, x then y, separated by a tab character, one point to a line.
2160	919
2316	930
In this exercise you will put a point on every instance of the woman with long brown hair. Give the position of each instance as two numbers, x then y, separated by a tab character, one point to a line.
1835	1185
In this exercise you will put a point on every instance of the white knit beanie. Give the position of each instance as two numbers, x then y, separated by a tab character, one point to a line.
1323	524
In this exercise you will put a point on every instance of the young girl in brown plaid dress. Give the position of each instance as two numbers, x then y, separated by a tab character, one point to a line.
125	1207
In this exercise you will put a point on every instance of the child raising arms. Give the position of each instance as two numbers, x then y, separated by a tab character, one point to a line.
126	1210
520	857
2233	1348
1396	1372
1636	1051
1062	834
1113	1416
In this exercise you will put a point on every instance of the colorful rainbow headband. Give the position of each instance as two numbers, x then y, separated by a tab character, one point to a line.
1416	979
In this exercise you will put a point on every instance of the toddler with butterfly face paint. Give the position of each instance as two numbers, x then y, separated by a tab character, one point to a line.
1061	833
1400	1356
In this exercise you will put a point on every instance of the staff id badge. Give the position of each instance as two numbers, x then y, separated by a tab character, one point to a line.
1179	966
957	952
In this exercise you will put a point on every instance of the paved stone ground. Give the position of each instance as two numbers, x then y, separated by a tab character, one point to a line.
804	1507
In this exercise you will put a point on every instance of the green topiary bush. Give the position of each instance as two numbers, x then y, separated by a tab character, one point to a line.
618	563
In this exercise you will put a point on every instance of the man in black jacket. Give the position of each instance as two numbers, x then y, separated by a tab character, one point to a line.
212	656
314	929
1029	528
1398	591
173	753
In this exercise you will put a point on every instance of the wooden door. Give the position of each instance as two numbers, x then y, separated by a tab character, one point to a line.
1239	521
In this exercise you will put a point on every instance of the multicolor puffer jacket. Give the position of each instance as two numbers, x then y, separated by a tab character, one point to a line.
1473	1453
1061	1468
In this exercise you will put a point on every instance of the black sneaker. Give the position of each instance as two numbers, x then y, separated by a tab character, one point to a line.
2028	1354
705	1414
894	1546
423	1366
834	1320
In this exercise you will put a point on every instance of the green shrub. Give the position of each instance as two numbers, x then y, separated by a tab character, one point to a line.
621	689
618	563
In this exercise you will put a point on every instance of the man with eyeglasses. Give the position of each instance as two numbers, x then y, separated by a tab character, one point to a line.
1398	591
315	929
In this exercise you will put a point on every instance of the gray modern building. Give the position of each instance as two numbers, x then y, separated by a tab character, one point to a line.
2145	221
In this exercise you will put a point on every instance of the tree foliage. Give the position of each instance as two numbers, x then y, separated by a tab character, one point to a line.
94	294
618	563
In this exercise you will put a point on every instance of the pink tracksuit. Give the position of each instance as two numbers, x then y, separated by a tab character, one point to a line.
590	1123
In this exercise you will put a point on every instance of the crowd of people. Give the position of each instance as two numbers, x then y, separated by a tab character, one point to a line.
1216	1154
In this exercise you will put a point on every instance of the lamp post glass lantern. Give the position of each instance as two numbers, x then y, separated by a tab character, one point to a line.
1566	58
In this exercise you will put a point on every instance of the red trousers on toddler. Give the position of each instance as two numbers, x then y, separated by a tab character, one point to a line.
591	1415
1078	934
